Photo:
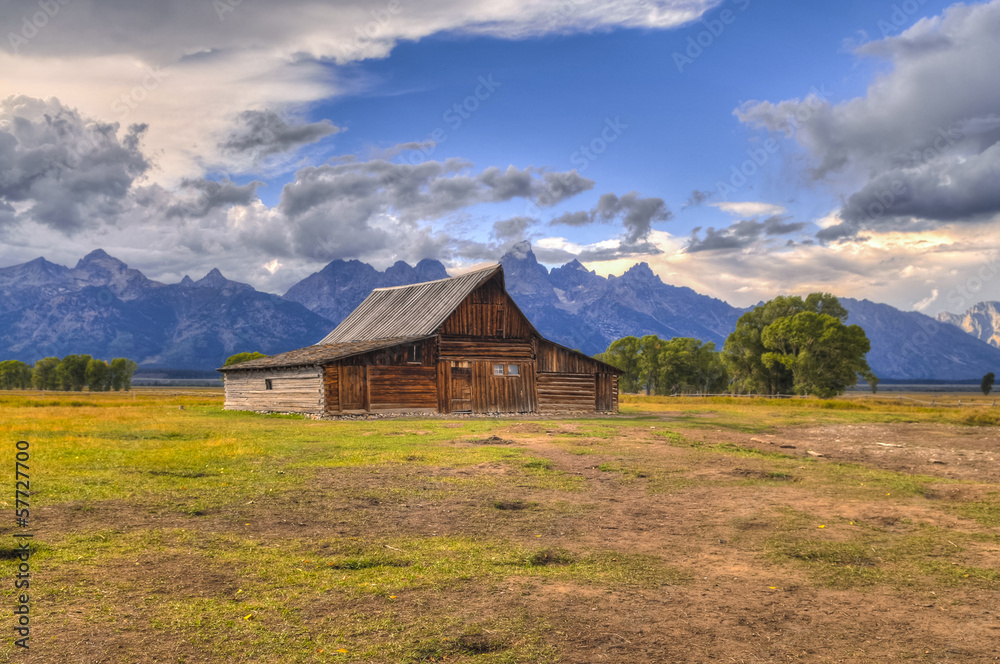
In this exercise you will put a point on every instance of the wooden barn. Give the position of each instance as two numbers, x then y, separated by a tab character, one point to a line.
457	345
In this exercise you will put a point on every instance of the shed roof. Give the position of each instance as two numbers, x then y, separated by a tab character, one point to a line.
416	310
320	354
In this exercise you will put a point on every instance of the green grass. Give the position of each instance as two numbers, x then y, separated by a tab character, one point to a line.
266	538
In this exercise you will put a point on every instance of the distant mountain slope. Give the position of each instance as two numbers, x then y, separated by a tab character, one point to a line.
981	321
593	311
908	344
336	290
103	308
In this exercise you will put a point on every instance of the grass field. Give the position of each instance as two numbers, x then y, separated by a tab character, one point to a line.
682	530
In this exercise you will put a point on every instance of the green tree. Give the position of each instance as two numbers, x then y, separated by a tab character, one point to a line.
622	354
872	381
43	375
987	385
823	355
650	347
744	350
120	372
72	372
688	365
14	375
98	375
243	357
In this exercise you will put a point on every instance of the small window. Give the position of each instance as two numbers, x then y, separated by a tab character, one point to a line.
513	369
497	369
267	384
414	355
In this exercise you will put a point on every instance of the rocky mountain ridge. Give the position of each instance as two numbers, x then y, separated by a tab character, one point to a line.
104	308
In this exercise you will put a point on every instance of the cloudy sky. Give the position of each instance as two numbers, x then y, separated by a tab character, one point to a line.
740	147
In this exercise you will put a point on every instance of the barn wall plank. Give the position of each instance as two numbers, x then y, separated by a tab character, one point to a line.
293	390
566	391
400	388
552	358
488	312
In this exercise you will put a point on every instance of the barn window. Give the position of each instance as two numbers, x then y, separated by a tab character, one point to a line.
513	369
497	369
267	384
414	355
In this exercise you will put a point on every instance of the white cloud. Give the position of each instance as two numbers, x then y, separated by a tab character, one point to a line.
922	147
748	209
190	69
958	261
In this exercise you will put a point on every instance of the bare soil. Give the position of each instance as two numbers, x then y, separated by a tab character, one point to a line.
738	606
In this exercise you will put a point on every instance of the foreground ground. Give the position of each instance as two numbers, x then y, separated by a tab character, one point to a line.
683	530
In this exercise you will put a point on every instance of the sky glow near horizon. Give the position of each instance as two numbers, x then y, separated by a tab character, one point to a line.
741	148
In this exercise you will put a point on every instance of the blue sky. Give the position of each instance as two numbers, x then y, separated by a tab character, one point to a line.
266	140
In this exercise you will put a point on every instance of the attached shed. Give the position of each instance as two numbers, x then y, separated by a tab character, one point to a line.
457	345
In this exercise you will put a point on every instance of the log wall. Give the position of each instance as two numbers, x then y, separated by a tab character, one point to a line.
566	391
295	390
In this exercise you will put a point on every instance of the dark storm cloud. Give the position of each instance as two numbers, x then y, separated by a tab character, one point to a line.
511	229
262	133
926	138
70	172
197	198
740	235
636	214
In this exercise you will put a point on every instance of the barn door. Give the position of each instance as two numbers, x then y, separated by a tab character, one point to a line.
602	393
461	388
352	388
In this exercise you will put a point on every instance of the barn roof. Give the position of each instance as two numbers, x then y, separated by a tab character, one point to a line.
320	354
416	310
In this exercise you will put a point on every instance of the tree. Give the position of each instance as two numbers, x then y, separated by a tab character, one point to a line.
98	375
243	357
43	376
688	365
823	355
650	347
14	375
72	372
120	372
622	354
987	384
872	381
745	349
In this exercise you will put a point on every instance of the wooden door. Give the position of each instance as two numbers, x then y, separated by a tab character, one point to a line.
353	388
461	389
603	393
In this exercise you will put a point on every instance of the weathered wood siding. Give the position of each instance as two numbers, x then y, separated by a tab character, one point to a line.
553	358
294	390
503	394
488	312
353	383
566	391
468	348
403	388
331	388
396	355
605	398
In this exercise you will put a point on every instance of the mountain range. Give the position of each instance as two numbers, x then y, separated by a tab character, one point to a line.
981	320
106	309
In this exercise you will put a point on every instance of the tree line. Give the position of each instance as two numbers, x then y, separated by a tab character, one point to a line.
788	345
71	373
